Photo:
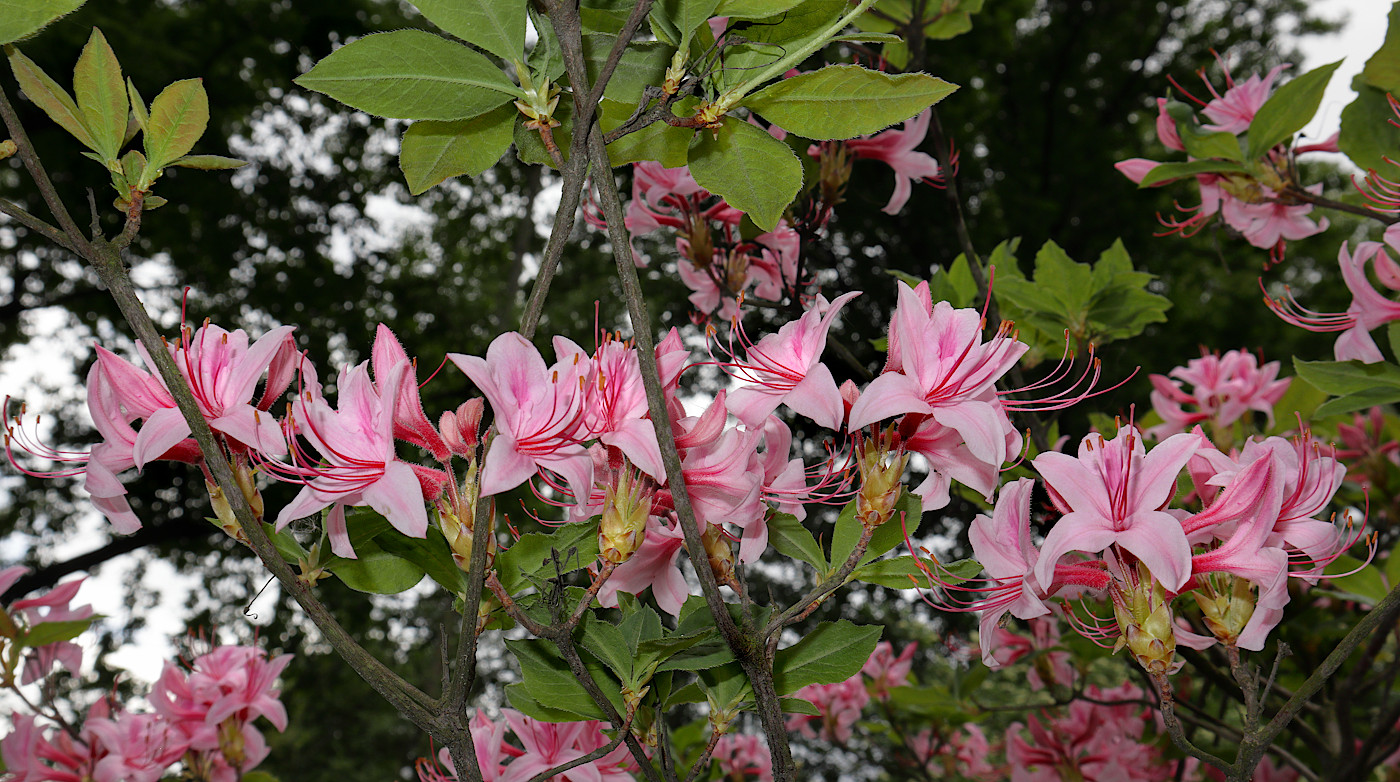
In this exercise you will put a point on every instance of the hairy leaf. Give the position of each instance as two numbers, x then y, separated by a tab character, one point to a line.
845	101
754	172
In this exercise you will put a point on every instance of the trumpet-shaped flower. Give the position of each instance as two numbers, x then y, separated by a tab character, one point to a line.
1115	493
898	148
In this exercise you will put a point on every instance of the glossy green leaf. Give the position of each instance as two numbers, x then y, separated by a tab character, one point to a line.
1383	68
832	652
1367	137
790	538
577	544
1365	584
411	74
642	65
179	115
1168	172
101	95
753	9
434	151
845	101
22	18
376	571
49	96
1359	400
498	26
46	633
1347	377
546	679
209	162
752	171
1286	111
1205	145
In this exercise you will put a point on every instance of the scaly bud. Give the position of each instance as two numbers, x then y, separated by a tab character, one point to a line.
1227	610
223	513
626	506
243	475
881	461
457	520
1145	622
720	552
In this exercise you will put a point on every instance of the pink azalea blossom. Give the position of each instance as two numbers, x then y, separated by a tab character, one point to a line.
548	744
656	565
1268	222
1369	308
898	148
743	756
357	462
786	368
1115	493
1233	111
51	607
886	671
939	366
840	705
1223	388
961	753
539	412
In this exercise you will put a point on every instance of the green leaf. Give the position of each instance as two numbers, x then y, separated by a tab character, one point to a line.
1383	69
643	64
793	705
530	149
577	544
658	141
47	633
209	162
726	686
753	9
431	554
258	776
1360	400
285	543
752	171
832	652
411	74
546	59
1347	377
138	106
768	39
908	516
49	96
1367	137
498	26
607	643
1169	172
22	18
867	38
1366	584
546	679
101	94
376	571
434	151
1286	111
179	115
685	16
791	539
605	16
845	101
1205	145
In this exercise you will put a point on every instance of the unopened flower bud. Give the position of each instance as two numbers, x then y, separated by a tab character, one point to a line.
231	741
457	520
626	506
835	172
460	429
1226	610
881	461
720	552
1145	622
223	513
243	475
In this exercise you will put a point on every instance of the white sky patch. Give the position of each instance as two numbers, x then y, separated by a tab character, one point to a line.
1354	44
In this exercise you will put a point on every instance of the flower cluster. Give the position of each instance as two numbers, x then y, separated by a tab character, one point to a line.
1117	537
1223	389
1268	212
541	746
21	620
202	721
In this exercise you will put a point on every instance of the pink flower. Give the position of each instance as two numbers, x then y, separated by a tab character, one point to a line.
357	465
1224	388
1369	308
539	412
898	149
1268	222
411	424
1114	493
548	744
886	671
1233	111
786	368
140	747
938	366
840	705
51	607
743	755
656	565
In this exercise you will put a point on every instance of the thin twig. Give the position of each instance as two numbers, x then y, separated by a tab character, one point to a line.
35	224
30	158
